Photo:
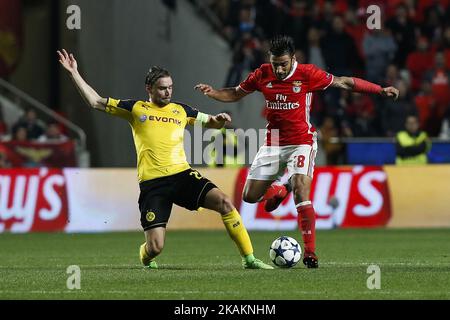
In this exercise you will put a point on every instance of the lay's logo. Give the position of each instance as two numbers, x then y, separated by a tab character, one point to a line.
342	197
33	200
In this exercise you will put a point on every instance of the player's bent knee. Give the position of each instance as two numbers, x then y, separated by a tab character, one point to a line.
155	247
223	204
250	198
227	205
155	250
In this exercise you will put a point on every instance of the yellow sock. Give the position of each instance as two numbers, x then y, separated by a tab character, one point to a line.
238	232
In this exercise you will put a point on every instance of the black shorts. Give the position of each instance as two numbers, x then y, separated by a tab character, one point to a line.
187	189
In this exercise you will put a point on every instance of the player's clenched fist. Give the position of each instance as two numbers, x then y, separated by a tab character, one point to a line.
223	117
390	92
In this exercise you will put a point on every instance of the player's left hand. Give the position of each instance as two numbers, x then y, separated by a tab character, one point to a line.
67	61
390	92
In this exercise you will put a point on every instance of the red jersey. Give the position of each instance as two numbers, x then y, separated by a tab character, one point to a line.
288	101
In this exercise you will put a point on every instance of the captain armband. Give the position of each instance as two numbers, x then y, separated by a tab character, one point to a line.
202	119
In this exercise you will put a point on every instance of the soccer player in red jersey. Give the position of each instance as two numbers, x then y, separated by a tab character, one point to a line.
291	139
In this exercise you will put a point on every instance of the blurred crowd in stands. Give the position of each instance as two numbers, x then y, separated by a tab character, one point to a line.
411	51
28	129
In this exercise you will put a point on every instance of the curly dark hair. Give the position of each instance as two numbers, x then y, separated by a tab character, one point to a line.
281	45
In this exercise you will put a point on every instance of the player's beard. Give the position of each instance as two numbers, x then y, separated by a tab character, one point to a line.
162	101
282	76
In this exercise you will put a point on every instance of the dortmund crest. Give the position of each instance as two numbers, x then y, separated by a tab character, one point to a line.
150	216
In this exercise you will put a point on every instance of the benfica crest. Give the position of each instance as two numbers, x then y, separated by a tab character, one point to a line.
296	86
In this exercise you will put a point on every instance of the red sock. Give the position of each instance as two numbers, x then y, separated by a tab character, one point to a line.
275	190
307	225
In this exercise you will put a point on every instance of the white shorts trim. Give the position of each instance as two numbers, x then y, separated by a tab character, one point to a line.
271	162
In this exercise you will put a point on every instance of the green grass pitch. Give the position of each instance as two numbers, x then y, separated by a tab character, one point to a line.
414	264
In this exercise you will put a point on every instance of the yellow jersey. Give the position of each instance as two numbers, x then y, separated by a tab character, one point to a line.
158	134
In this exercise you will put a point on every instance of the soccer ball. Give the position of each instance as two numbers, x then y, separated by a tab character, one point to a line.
285	252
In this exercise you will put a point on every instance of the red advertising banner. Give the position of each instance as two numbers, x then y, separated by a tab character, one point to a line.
33	200
342	197
32	154
10	35
88	200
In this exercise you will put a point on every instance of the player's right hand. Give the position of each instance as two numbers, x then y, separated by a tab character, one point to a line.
206	89
390	92
223	117
67	61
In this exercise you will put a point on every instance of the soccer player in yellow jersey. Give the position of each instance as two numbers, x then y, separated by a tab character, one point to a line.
165	177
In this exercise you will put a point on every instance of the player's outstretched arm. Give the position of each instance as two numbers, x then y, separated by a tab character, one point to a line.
363	86
89	95
224	95
218	121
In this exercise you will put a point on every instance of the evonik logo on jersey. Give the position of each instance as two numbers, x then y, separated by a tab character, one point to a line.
33	200
342	197
164	119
